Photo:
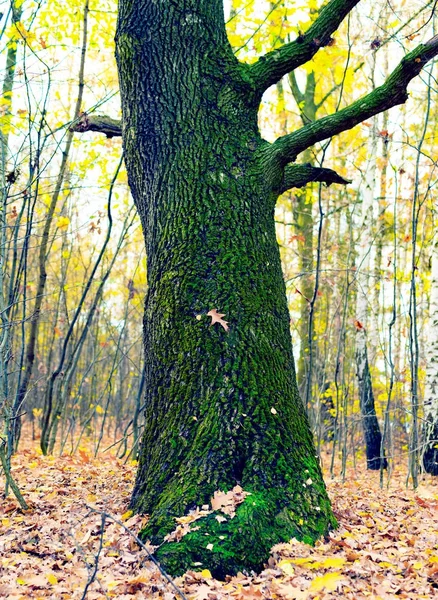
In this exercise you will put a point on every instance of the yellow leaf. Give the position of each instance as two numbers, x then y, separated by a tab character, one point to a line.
21	581
286	567
388	565
301	560
5	522
185	520
51	579
329	581
99	410
334	561
63	222
206	574
127	515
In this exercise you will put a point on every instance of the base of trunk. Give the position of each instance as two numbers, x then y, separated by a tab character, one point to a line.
373	438
376	463
430	456
227	545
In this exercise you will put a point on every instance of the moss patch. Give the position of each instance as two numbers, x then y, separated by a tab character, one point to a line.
241	543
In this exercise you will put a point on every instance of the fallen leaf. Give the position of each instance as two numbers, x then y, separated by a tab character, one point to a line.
206	574
217	318
330	582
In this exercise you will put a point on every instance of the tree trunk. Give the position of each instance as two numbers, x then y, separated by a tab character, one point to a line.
303	216
430	430
222	406
372	434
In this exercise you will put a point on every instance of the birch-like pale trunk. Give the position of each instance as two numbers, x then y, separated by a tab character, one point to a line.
373	437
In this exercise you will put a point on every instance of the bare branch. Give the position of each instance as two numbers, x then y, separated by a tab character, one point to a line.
391	93
270	68
297	176
100	123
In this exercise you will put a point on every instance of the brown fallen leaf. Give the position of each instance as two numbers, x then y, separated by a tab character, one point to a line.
228	502
217	318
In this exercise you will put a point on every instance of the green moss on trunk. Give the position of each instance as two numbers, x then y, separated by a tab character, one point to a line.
241	543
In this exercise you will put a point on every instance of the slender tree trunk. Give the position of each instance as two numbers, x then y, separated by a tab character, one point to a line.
222	407
303	215
430	430
372	434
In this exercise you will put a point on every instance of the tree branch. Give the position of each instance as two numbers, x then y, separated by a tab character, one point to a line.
297	176
391	93
100	123
271	67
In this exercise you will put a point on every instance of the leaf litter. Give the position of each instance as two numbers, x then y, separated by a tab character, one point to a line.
386	546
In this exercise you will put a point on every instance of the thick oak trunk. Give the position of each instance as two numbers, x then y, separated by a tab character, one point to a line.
222	406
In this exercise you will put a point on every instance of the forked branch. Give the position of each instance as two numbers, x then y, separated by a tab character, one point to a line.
391	93
271	67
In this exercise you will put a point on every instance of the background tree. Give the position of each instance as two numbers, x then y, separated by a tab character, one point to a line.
430	430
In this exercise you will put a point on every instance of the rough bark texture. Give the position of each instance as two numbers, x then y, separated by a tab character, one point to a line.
222	407
430	432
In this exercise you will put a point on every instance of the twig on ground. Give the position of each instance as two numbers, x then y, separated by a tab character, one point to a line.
142	545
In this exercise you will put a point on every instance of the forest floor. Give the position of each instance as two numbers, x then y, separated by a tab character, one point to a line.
67	544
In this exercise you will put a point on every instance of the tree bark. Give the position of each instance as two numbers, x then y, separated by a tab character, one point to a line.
430	429
370	423
303	210
222	406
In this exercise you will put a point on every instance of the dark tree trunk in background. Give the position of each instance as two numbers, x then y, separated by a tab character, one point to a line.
373	437
222	407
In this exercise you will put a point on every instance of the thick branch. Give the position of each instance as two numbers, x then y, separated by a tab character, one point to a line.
297	176
100	123
270	68
391	93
